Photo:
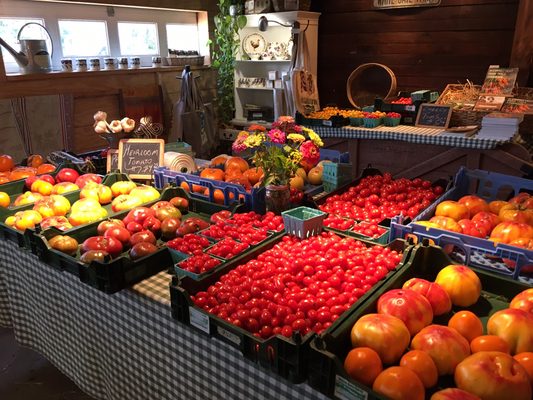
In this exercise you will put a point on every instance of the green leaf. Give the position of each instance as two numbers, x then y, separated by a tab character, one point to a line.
241	21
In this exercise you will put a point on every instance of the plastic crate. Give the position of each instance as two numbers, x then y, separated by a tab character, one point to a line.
303	221
327	353
121	272
286	357
336	172
253	200
481	253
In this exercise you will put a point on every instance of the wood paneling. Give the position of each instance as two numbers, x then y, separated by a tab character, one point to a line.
522	55
426	47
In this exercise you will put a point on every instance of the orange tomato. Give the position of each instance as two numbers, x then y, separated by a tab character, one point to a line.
399	383
467	324
4	199
212	173
6	163
3	179
421	364
35	160
238	162
185	186
526	360
21	173
45	169
254	175
240	180
363	364
489	343
219	160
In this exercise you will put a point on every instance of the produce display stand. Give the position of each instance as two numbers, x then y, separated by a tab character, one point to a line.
326	371
286	357
120	272
481	253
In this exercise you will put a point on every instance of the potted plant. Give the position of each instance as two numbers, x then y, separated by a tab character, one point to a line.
224	50
279	152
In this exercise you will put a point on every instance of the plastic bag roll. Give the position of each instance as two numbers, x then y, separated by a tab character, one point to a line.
179	162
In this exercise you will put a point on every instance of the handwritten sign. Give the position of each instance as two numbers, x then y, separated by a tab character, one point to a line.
112	160
139	157
433	116
385	4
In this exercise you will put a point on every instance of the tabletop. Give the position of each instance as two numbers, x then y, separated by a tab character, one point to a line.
125	345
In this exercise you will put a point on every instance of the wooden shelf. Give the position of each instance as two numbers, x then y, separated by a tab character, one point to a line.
255	88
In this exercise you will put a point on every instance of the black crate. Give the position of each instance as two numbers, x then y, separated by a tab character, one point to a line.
286	357
335	121
327	354
121	272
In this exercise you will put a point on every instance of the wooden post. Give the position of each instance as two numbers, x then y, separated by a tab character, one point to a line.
522	52
3	76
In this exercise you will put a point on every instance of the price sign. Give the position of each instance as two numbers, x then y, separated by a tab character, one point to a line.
112	160
433	116
139	157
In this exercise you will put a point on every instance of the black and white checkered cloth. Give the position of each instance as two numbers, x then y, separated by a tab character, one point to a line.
126	345
411	134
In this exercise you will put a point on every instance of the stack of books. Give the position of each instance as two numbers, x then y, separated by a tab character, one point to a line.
498	125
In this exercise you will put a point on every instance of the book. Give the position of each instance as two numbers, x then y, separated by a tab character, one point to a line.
489	103
499	81
500	118
513	105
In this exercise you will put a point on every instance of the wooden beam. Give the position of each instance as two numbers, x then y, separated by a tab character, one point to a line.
522	52
433	163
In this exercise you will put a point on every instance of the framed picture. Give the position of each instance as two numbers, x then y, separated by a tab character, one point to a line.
433	116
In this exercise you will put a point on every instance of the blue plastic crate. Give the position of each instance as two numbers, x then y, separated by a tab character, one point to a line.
253	200
478	252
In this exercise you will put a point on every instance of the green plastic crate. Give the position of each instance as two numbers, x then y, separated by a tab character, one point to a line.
303	221
336	172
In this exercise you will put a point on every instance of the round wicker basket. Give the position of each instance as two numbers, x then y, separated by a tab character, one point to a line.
369	81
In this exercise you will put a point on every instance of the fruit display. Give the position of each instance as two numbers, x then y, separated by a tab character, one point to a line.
35	165
483	351
364	207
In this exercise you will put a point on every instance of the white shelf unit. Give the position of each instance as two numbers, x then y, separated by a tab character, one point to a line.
245	68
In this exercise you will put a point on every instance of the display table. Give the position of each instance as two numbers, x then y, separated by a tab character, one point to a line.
412	152
126	345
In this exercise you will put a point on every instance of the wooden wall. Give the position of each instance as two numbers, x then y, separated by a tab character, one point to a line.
425	47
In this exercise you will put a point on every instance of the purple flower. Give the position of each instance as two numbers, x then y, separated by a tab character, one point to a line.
277	136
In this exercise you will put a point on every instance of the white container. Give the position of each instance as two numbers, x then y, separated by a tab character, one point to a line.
135	62
122	62
66	64
94	64
273	75
81	64
109	63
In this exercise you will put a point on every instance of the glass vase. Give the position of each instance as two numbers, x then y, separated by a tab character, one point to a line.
277	198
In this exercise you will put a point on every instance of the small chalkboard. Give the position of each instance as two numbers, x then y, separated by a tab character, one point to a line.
112	160
433	116
139	157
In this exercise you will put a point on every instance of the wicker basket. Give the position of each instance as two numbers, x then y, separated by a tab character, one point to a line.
178	61
473	117
369	81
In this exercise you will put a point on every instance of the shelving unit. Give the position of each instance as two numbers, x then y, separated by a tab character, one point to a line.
246	68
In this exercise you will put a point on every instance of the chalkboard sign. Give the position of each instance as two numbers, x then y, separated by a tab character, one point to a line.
433	116
139	157
112	160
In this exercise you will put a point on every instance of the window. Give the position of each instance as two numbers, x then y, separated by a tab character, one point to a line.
182	37
138	38
76	42
9	29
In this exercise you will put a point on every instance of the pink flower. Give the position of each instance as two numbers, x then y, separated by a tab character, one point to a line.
310	152
238	145
277	136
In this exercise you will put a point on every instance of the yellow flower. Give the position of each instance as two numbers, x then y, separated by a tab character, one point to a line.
295	157
296	137
254	140
243	134
314	137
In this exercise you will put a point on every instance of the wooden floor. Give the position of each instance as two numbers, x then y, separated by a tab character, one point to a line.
25	375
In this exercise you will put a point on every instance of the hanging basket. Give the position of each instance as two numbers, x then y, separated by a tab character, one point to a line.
369	81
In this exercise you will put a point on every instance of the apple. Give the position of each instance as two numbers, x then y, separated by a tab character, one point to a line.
67	175
120	233
142	236
82	180
109	244
54	205
64	187
169	226
411	307
452	209
461	283
65	244
474	204
95	255
444	345
493	375
23	220
109	223
58	222
27	198
433	292
122	187
145	193
97	191
42	187
181	203
142	249
125	202
515	326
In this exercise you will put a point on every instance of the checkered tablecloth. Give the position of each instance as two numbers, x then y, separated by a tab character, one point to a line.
411	134
126	345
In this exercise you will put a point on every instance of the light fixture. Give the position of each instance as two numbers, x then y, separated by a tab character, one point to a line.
263	23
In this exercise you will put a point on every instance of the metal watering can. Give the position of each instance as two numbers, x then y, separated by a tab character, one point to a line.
34	56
